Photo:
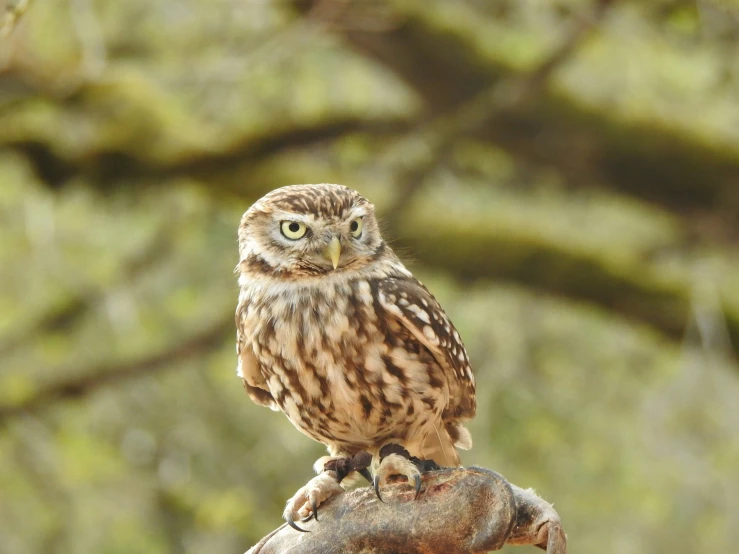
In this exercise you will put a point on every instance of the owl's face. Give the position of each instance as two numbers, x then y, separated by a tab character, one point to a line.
304	230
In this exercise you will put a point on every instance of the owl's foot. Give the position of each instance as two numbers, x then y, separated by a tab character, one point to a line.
305	502
331	471
396	460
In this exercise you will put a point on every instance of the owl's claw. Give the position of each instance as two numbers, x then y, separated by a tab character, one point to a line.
314	507
289	520
304	504
376	485
395	460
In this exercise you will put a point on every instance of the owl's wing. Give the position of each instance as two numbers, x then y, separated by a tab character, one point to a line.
248	369
419	312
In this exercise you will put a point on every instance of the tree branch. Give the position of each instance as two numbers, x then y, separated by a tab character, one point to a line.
471	116
633	288
589	146
107	168
105	374
75	306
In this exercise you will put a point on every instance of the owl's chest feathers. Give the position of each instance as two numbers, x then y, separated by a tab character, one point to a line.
339	368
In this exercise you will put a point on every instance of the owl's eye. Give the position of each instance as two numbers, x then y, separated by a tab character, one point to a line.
293	230
355	227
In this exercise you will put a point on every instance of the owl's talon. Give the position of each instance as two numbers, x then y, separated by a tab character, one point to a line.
395	460
304	504
314	507
291	523
376	485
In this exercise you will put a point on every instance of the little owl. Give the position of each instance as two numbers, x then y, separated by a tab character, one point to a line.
335	332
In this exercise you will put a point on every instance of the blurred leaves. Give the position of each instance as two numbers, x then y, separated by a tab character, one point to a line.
562	175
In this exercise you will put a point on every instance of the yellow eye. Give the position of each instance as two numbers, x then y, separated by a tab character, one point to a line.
355	228
293	230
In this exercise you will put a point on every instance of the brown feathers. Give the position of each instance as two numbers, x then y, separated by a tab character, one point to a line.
358	355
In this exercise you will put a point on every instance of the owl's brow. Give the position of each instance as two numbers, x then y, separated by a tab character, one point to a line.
318	200
310	218
358	211
284	215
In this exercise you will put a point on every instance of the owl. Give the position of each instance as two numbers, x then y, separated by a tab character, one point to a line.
336	333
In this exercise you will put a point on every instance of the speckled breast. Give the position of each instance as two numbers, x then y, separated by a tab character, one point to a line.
344	371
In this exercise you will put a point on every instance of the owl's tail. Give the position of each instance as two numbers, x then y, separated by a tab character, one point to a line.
441	444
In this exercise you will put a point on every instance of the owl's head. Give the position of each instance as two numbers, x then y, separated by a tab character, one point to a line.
309	230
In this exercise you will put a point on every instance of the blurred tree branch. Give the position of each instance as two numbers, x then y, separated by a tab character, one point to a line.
103	374
443	131
634	288
73	307
105	166
589	146
459	511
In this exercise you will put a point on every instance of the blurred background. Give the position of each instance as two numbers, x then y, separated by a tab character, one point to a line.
562	174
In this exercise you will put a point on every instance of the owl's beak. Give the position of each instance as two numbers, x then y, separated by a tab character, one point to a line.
333	251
